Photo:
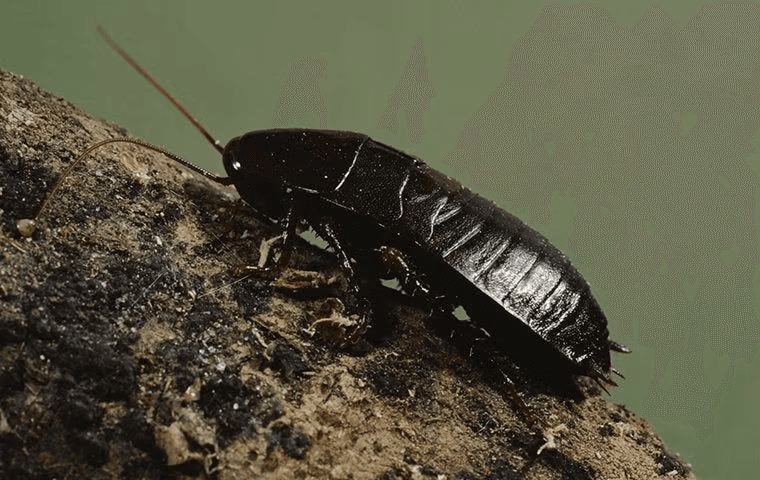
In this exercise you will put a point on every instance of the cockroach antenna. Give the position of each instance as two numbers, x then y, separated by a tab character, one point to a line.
27	227
147	76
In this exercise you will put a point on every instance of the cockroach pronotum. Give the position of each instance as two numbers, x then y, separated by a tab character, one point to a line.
375	205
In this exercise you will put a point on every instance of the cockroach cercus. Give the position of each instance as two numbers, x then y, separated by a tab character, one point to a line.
387	212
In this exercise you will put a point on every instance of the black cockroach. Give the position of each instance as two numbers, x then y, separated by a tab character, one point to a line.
387	212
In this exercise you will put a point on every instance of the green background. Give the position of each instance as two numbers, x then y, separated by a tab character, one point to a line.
640	165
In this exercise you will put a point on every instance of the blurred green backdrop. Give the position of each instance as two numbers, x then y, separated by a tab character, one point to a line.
625	133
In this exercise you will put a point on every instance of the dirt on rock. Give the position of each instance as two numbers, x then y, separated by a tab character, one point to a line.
128	349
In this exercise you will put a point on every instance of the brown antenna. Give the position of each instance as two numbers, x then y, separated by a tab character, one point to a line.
27	226
147	76
136	141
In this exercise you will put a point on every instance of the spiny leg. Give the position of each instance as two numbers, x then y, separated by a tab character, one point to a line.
397	265
265	267
347	319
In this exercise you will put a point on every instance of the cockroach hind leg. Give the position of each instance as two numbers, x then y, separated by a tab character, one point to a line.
532	417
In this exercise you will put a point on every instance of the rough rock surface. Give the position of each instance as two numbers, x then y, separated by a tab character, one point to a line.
128	349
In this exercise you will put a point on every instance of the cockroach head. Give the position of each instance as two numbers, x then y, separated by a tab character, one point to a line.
311	160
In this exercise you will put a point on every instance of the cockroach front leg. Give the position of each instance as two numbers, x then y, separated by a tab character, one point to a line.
274	257
269	267
343	321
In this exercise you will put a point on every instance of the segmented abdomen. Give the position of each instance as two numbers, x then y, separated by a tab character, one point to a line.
509	262
506	260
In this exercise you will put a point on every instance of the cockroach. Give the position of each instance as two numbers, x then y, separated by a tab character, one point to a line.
386	212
